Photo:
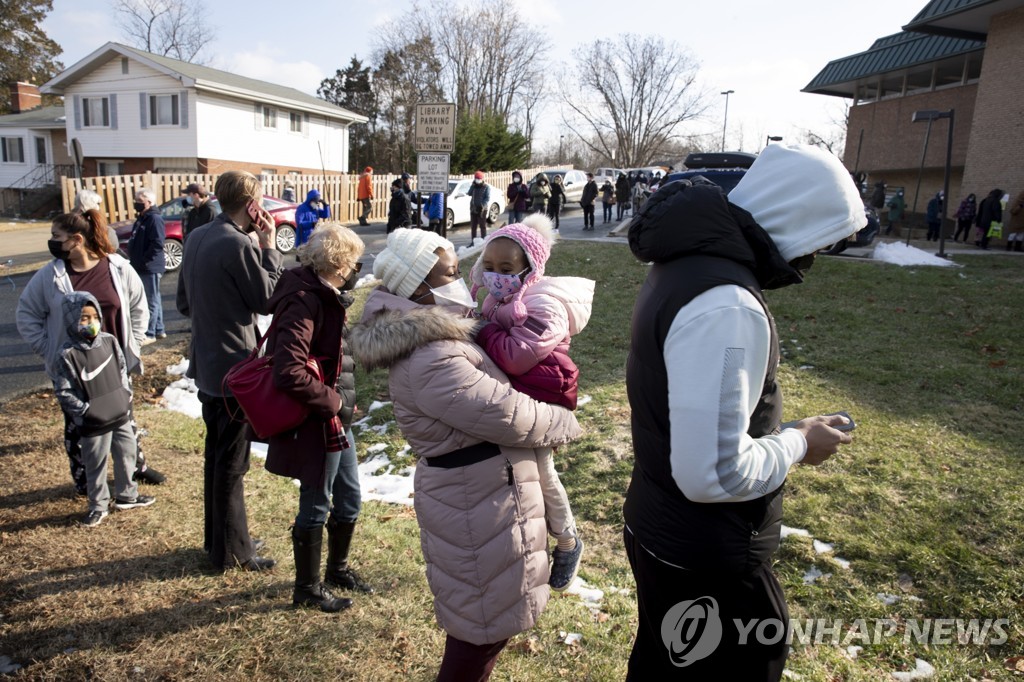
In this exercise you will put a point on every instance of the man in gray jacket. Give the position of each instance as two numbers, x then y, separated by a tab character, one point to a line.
226	280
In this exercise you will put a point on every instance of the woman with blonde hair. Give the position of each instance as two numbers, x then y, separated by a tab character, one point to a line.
309	305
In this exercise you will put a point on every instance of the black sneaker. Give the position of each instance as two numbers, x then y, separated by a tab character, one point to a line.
564	565
92	519
140	501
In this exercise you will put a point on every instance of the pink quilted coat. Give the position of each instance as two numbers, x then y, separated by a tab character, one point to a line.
482	527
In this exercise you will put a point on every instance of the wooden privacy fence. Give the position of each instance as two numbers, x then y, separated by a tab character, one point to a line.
118	191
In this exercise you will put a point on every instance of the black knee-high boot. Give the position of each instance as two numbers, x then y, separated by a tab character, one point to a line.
338	573
309	591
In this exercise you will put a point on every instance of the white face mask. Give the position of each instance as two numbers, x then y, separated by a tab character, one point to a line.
454	293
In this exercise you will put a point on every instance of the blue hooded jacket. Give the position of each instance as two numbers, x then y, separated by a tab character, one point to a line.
435	206
306	216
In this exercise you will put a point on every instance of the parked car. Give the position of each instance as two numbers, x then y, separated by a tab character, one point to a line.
864	237
458	203
611	174
174	210
725	169
572	182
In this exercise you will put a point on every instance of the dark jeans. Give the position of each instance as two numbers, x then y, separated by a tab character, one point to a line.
933	232
477	219
515	216
367	205
226	459
588	216
962	226
340	484
607	211
746	596
465	662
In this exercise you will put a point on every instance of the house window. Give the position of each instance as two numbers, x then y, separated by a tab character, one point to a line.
13	149
109	167
163	110
96	112
295	122
40	150
269	117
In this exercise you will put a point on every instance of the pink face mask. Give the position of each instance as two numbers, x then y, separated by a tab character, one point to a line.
501	285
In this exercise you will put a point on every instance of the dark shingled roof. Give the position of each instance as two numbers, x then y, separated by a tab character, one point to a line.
888	54
40	117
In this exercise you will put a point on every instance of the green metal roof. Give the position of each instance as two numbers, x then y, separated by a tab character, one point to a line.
40	117
960	18
891	53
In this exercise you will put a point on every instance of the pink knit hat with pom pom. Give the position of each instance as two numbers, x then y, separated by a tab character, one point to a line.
534	236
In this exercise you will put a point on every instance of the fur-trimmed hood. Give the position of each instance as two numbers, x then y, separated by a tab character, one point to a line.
393	327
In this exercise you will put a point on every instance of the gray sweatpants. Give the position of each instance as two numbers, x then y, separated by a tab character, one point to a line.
121	444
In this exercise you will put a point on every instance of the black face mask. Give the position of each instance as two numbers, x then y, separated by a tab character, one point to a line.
56	247
139	206
802	264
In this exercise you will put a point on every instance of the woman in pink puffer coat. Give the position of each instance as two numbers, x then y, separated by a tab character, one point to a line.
478	499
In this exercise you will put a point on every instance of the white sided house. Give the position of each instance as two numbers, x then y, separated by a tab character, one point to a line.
133	111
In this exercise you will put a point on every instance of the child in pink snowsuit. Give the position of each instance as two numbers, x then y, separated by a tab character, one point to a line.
535	317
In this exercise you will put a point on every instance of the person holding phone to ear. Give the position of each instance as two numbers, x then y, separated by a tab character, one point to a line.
225	281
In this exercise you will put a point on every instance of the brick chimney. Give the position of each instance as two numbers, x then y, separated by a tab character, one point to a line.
24	96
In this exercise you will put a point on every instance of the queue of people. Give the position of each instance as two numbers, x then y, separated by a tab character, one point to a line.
483	397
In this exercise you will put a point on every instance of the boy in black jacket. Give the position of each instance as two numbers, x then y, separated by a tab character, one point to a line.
92	386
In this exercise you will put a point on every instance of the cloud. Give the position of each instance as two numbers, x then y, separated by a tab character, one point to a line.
267	65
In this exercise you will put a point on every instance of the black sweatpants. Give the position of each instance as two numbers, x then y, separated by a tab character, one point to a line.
755	596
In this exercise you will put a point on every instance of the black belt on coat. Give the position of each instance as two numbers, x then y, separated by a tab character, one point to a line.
471	454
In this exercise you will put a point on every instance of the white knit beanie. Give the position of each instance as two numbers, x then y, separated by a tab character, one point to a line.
802	196
408	259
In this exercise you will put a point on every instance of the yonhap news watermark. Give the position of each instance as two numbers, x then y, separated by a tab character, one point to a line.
692	630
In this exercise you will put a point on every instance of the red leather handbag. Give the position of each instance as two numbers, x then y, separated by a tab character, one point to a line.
268	410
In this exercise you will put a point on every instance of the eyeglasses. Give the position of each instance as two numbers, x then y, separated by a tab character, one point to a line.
357	268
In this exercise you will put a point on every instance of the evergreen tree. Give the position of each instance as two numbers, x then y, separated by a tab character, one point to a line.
26	52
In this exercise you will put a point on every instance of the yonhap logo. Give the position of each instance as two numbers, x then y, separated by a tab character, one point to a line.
691	630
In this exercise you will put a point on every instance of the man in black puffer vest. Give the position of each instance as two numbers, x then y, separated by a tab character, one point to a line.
704	508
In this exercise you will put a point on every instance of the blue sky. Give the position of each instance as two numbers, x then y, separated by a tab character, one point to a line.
764	51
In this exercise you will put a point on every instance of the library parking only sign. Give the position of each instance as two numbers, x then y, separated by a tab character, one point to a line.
435	128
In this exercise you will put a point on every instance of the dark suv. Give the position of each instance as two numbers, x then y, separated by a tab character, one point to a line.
725	169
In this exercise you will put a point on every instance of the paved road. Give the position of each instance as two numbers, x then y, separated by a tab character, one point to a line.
21	370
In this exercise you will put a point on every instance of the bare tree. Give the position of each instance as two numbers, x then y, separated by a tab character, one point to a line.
833	137
631	96
172	28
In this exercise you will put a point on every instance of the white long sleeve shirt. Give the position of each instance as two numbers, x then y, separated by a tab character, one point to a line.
716	354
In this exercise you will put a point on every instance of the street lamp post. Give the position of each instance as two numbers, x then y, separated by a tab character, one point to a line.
725	119
772	138
932	115
560	138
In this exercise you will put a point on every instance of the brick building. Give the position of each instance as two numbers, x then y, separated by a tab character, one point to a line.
961	55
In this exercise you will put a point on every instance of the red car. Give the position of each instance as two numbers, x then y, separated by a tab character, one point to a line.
173	211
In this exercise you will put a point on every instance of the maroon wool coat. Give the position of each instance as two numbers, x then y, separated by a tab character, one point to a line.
309	320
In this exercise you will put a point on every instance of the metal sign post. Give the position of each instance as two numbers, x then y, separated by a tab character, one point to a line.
434	142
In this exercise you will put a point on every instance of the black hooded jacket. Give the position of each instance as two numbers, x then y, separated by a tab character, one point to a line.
696	240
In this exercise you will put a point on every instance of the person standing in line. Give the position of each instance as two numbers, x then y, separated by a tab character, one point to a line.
364	194
92	387
201	211
896	207
309	308
289	192
225	281
1015	223
90	264
556	201
307	215
518	198
933	216
622	191
587	202
398	208
87	200
965	217
146	254
540	192
413	197
878	195
607	200
477	493
990	210
479	206
703	511
435	214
